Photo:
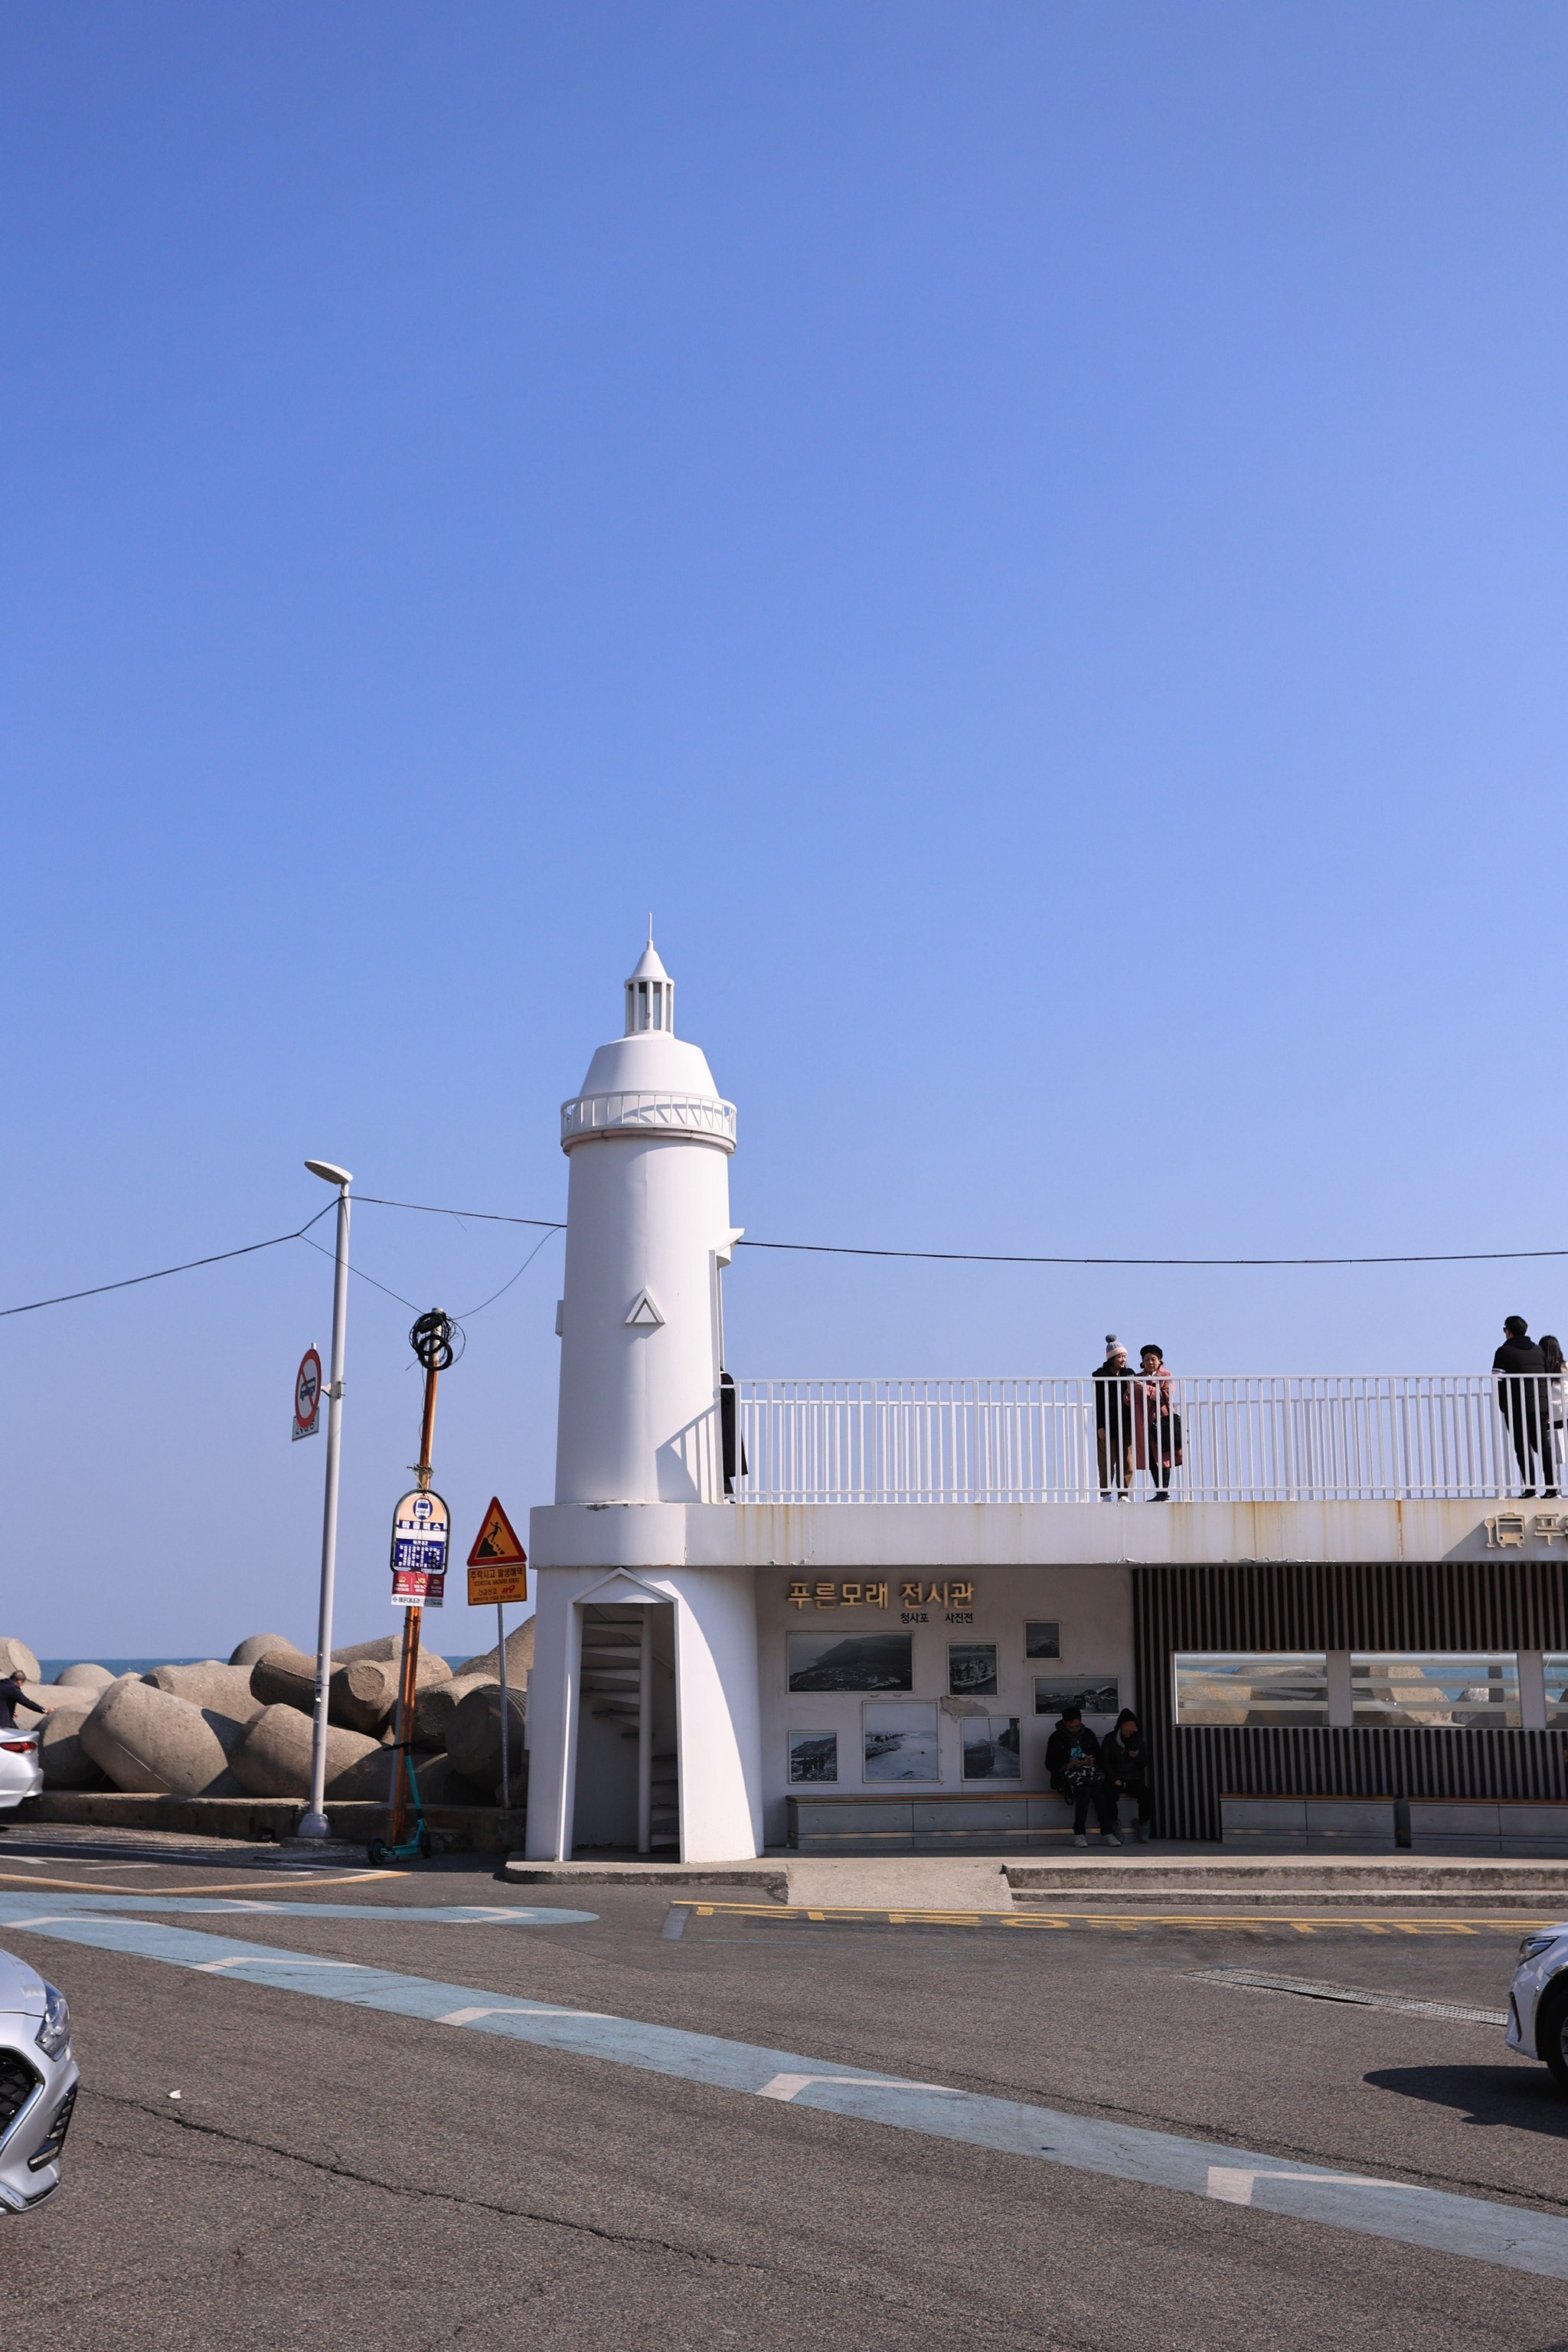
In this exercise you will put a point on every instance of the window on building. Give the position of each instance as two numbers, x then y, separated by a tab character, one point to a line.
1436	1690
1255	1689
1556	1665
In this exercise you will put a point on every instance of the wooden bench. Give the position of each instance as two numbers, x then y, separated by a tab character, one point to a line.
934	1821
1320	1824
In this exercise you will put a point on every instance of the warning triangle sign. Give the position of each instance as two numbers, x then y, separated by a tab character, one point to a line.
496	1545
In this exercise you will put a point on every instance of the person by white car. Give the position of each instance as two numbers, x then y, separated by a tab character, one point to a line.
1537	2000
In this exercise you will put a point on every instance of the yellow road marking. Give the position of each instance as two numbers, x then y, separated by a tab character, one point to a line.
1126	1921
225	1886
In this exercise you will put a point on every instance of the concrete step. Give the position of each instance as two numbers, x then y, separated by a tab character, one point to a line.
1314	1881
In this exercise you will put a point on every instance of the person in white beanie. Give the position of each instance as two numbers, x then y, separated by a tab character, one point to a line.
1115	1398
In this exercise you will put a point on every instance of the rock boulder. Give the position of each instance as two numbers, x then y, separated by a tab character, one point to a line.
474	1734
83	1678
65	1762
226	1688
256	1645
519	1659
15	1658
148	1740
436	1704
272	1758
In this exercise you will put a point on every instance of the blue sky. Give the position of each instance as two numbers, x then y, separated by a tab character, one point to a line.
1031	537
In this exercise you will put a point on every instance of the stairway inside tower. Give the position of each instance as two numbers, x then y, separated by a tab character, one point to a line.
628	1796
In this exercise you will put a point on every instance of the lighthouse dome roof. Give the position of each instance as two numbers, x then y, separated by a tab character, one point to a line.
650	1059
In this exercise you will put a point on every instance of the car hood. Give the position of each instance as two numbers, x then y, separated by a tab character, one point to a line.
21	1988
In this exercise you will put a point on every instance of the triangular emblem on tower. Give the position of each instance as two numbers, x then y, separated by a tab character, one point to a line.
645	1316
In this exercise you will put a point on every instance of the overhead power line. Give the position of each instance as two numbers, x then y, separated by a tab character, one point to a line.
96	1289
993	1257
987	1257
548	1225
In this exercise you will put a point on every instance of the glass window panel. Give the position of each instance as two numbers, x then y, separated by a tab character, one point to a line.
1437	1690
1255	1689
1556	1665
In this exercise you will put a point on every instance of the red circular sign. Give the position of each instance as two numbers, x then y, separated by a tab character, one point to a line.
308	1388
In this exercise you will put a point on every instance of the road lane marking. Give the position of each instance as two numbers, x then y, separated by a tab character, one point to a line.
1233	2184
91	1886
1515	2237
851	1914
449	1914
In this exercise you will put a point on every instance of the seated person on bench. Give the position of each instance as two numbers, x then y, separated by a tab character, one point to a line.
1072	1761
1125	1762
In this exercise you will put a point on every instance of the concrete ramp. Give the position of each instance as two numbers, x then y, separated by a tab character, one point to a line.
911	1883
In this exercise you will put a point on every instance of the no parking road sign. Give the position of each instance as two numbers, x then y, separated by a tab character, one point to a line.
308	1395
421	1527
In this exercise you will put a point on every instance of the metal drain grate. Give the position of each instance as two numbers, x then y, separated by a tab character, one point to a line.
1357	1996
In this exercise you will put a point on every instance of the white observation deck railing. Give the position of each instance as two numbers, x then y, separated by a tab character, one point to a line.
1245	1437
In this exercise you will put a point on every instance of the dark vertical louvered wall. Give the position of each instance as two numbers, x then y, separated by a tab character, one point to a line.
1506	1604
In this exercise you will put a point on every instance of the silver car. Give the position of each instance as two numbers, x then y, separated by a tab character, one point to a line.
21	1765
37	2084
1537	2003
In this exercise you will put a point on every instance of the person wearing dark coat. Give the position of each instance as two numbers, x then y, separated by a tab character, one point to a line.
1115	1403
1072	1764
12	1697
1125	1760
1524	1401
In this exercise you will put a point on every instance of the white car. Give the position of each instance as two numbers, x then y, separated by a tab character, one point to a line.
21	1771
1537	2003
37	2084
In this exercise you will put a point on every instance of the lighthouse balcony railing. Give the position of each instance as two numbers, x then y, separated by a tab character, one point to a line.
1260	1437
648	1109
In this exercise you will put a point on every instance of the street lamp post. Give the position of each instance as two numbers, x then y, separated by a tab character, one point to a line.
315	1824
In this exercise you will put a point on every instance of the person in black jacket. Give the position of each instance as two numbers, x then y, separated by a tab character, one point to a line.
1125	1760
12	1697
1115	1402
1523	1395
1072	1762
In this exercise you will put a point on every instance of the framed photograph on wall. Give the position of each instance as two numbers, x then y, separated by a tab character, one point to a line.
991	1748
851	1662
1042	1639
1095	1693
971	1669
900	1740
813	1756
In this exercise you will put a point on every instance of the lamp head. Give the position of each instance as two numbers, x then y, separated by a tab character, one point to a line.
327	1173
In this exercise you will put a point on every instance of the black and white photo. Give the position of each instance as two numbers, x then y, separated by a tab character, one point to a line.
971	1669
1042	1638
851	1662
991	1748
900	1740
813	1756
1095	1695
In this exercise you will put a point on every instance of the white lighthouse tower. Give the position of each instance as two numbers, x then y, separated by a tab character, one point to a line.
647	1230
643	1718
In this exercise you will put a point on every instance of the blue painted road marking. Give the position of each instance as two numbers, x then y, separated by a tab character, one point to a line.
1510	2235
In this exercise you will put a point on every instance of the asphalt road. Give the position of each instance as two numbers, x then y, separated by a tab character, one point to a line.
338	2177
